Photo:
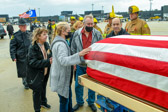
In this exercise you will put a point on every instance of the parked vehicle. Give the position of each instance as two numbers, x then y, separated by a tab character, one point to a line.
2	32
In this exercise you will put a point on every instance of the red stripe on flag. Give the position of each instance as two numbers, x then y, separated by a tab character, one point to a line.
148	93
24	15
146	35
136	42
142	64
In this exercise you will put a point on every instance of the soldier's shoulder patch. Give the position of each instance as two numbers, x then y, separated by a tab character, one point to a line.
146	25
12	37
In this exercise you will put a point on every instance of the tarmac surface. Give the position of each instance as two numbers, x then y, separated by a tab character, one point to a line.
13	96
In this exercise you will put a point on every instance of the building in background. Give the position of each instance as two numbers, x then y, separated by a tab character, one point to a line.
164	10
4	18
98	14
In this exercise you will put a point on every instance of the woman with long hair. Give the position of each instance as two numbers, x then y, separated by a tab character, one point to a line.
39	61
60	72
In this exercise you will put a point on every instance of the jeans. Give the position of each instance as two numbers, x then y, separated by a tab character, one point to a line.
79	88
66	103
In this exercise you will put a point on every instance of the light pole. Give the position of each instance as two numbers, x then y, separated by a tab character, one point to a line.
150	4
39	13
102	11
92	7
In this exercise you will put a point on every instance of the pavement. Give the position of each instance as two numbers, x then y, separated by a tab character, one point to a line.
13	96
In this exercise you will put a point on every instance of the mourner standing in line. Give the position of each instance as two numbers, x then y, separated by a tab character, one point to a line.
19	44
61	77
82	39
39	61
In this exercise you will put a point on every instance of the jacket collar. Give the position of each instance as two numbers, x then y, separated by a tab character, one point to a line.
119	33
59	38
79	33
36	46
135	21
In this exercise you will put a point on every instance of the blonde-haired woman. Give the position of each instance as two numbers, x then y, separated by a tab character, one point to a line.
39	61
78	24
60	72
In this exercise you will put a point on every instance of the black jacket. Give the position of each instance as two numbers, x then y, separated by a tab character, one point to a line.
33	27
49	28
19	45
10	29
36	64
122	32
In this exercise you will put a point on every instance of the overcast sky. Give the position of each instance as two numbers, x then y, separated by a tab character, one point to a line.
54	7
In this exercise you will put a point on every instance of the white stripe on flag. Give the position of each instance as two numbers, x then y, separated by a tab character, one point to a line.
142	37
160	54
145	78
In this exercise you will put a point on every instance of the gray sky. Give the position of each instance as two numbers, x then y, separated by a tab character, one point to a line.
54	7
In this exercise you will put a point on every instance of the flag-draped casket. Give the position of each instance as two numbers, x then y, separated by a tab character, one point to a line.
137	65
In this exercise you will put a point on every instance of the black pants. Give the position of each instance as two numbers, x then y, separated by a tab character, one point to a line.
10	34
39	95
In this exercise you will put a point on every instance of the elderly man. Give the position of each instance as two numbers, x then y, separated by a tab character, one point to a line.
19	44
82	39
117	28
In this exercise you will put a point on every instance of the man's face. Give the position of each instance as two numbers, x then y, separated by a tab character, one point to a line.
49	22
72	21
23	28
133	16
89	22
110	21
116	25
53	22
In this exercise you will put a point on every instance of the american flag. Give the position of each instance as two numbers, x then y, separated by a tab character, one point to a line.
137	65
24	15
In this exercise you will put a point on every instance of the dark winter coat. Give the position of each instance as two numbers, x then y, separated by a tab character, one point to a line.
10	29
36	65
122	32
19	45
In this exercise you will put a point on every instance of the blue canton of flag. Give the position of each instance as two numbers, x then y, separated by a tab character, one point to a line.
32	13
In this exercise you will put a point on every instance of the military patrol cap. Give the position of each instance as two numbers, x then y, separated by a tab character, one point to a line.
22	21
49	20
